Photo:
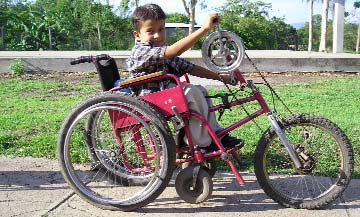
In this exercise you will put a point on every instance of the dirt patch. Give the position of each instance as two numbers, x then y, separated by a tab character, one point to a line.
297	77
54	76
273	78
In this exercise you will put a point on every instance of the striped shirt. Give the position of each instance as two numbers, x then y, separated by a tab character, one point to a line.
146	58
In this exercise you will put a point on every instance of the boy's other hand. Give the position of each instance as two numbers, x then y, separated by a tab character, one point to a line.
229	79
211	20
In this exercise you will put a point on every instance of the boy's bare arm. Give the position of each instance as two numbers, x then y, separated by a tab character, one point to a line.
202	72
186	43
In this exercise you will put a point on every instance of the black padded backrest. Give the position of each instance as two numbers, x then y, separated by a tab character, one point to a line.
108	73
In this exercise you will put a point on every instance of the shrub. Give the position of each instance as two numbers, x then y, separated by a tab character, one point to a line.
17	67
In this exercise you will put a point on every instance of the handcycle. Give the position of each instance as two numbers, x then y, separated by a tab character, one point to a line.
118	151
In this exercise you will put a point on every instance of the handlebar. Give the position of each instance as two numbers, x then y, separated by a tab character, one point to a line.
89	59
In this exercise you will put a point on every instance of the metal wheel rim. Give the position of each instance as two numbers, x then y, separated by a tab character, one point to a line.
145	191
230	37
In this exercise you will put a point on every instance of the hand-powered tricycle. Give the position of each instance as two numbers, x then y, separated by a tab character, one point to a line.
118	151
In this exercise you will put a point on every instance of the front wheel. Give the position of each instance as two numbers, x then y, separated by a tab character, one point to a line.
327	162
184	185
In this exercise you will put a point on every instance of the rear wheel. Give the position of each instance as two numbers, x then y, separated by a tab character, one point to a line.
325	153
127	157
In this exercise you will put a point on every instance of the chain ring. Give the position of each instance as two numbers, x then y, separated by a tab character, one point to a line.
217	59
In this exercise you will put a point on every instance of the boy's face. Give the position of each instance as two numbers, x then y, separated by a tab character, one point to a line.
151	31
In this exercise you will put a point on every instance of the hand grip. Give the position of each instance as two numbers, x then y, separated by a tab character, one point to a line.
89	59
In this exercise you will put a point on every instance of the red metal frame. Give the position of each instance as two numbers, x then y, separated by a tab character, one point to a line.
165	100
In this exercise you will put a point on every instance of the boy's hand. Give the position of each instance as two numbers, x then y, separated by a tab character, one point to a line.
229	78
186	43
211	20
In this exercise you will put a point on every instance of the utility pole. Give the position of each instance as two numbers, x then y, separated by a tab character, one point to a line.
338	26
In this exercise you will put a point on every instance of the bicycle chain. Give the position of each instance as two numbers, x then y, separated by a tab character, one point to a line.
268	84
242	106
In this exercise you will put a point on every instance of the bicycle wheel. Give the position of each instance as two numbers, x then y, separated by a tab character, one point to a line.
131	149
325	153
93	131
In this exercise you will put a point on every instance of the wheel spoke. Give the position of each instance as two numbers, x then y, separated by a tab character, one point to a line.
125	157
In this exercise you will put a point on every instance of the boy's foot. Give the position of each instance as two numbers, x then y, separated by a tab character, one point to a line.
227	141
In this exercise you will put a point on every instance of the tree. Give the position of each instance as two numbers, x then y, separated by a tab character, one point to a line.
322	47
3	18
350	36
283	35
74	24
304	33
7	13
176	18
126	5
246	8
357	6
311	11
248	19
190	11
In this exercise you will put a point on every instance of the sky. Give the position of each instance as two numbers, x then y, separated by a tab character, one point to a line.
294	11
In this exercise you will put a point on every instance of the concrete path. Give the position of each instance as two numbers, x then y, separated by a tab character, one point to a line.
35	187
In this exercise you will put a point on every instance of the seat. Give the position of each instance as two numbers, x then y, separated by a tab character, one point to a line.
108	73
164	100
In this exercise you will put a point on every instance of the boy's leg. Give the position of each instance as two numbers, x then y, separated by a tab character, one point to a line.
211	115
195	97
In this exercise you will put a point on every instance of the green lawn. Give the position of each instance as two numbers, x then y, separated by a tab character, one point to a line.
32	110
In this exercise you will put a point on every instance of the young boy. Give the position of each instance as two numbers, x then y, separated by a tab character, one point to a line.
150	54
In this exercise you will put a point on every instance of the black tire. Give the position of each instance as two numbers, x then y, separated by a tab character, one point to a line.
184	185
115	183
325	152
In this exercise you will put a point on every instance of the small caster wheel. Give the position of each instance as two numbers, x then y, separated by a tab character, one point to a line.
208	165
184	185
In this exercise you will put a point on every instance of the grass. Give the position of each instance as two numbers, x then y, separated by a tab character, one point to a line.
31	113
336	99
32	110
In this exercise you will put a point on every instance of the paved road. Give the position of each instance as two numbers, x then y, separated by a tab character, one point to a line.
35	187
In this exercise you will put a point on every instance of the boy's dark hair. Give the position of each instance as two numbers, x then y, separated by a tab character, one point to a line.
145	12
